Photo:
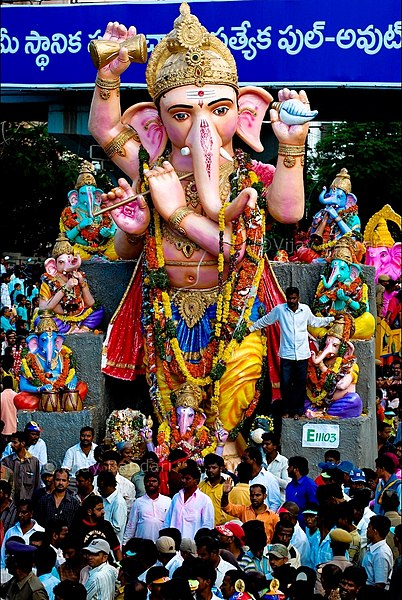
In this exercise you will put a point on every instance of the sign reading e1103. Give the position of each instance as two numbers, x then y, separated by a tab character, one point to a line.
320	435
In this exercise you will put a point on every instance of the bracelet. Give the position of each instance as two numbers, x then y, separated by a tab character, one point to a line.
177	216
290	152
134	238
117	143
106	86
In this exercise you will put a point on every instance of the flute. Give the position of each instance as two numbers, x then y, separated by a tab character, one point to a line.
131	199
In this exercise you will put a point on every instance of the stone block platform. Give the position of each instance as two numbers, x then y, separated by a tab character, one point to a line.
108	282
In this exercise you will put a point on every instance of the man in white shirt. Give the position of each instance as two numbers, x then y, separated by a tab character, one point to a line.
190	509
168	555
294	350
252	456
113	503
208	550
35	445
24	528
275	463
81	456
148	513
378	560
99	578
110	462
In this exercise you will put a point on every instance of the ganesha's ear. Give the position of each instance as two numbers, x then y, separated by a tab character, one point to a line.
145	119
253	103
51	266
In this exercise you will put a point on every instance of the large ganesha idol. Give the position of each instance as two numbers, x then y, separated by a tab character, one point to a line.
338	218
202	275
343	290
333	373
64	291
92	236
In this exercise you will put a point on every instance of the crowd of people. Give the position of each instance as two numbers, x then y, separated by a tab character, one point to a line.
102	526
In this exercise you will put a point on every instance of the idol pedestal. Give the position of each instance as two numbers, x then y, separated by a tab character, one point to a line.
108	282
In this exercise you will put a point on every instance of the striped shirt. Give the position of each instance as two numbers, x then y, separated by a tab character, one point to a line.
101	582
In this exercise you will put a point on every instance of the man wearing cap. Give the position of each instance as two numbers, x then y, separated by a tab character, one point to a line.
24	528
167	554
34	444
279	567
357	481
99	577
24	466
47	477
340	542
23	585
232	538
81	456
148	512
345	515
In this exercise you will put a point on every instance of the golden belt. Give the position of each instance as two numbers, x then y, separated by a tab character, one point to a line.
192	304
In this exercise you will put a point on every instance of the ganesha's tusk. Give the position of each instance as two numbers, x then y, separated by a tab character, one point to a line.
131	199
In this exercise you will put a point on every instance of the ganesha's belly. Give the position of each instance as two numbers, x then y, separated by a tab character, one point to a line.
190	267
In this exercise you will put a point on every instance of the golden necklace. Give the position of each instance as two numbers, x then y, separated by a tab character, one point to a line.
191	192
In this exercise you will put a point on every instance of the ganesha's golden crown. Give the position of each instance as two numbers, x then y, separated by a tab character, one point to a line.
62	246
342	181
86	175
46	322
342	328
188	395
189	55
344	249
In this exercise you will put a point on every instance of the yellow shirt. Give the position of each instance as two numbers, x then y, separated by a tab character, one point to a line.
215	493
240	494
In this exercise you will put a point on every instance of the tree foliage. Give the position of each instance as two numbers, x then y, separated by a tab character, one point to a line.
371	152
37	173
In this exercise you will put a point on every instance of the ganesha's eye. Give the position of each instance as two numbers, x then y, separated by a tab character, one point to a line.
181	116
221	110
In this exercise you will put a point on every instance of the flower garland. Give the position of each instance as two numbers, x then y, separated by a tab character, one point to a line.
33	371
236	296
90	234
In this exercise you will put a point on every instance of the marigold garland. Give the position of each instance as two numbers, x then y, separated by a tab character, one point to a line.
32	370
236	296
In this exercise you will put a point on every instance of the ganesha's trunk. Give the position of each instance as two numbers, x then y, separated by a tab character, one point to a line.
90	202
49	351
332	278
185	422
318	358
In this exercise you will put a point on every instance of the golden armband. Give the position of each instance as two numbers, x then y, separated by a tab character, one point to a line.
290	153
116	146
176	218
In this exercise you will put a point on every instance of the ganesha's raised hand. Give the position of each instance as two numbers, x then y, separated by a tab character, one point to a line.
290	134
133	217
166	190
117	32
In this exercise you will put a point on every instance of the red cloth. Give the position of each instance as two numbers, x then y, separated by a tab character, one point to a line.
273	295
125	344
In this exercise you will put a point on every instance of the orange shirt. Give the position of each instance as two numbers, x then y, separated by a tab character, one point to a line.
247	513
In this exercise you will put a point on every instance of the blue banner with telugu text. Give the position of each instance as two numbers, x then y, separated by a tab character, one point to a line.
274	42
